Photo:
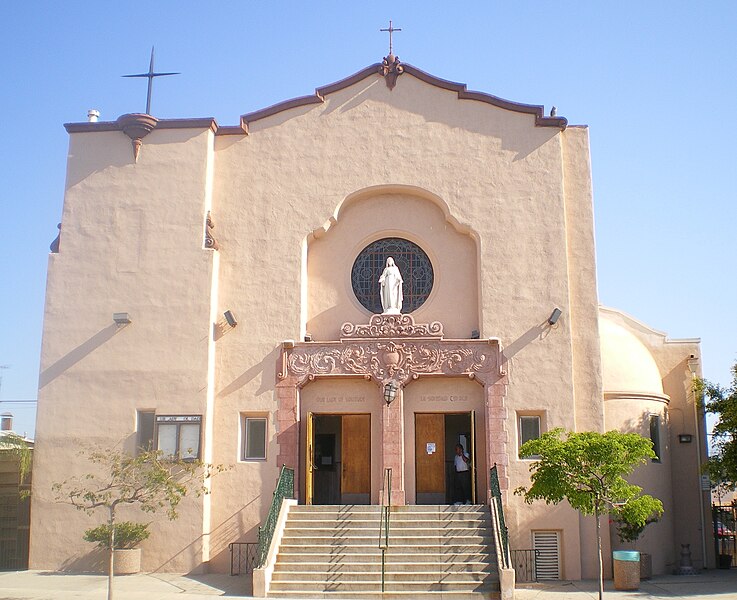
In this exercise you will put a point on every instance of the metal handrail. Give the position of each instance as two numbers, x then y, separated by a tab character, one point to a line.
503	532
384	522
524	563
242	557
284	489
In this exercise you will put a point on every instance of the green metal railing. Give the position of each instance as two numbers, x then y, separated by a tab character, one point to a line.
384	522
284	489
496	495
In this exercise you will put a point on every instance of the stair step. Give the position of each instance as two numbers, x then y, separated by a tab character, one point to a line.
434	551
418	587
372	548
389	576
491	594
394	557
370	567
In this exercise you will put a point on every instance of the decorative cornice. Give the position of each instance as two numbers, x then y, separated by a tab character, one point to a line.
378	68
392	326
624	395
200	123
392	347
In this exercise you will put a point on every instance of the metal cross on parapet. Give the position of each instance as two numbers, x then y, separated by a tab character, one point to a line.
391	30
150	76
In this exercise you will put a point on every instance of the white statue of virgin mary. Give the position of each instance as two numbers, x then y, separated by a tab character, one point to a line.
391	289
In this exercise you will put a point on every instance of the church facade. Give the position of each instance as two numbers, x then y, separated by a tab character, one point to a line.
215	291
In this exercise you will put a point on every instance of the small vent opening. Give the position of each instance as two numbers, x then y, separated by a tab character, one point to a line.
548	558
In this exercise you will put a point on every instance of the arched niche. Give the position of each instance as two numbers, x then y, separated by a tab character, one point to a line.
391	211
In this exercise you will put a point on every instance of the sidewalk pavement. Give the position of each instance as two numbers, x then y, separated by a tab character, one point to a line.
43	585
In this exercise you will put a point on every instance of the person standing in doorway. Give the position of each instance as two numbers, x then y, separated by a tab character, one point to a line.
462	477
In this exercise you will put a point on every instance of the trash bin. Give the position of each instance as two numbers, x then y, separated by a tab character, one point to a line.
626	569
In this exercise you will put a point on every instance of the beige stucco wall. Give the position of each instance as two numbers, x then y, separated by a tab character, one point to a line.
132	242
502	207
632	367
389	212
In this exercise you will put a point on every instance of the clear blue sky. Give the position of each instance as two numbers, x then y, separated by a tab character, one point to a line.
656	82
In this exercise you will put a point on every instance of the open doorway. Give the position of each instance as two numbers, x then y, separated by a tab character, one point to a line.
338	457
436	436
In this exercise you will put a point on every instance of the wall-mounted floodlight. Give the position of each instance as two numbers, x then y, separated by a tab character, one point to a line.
308	337
475	334
685	438
554	316
121	318
230	318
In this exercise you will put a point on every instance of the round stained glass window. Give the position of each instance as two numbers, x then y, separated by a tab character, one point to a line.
413	263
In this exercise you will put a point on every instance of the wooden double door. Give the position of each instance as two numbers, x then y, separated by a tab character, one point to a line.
338	459
436	436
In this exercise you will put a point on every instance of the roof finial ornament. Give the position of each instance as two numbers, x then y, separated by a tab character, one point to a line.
390	68
150	76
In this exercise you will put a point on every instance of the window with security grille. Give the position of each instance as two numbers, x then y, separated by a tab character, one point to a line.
413	264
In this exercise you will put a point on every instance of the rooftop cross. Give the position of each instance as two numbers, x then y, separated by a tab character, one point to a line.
391	30
150	75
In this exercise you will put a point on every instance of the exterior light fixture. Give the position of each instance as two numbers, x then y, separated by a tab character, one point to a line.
685	438
554	316
390	392
230	318
121	318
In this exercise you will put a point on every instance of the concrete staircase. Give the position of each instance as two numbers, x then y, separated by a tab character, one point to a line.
434	551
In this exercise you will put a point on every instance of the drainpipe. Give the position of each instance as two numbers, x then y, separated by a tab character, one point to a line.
693	364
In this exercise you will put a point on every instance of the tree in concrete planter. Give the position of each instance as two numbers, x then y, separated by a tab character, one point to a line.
125	535
150	481
588	470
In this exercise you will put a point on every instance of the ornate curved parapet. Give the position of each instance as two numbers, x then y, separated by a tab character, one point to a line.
387	326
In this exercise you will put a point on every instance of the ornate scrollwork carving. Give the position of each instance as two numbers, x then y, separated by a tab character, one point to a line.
210	241
399	360
390	69
54	246
392	326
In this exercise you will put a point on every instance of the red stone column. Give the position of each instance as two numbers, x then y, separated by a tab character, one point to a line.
497	415
392	447
288	437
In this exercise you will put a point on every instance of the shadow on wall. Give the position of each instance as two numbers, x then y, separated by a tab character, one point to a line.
95	561
538	332
230	530
447	113
679	378
74	356
248	375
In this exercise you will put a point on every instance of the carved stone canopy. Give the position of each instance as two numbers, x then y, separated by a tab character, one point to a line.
137	126
392	348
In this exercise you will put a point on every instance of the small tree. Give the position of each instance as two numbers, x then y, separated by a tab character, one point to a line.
151	481
721	401
16	448
587	469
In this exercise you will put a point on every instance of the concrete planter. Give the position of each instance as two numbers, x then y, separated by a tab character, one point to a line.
626	570
127	561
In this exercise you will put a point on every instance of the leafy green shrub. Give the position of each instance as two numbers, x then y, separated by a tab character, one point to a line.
127	534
